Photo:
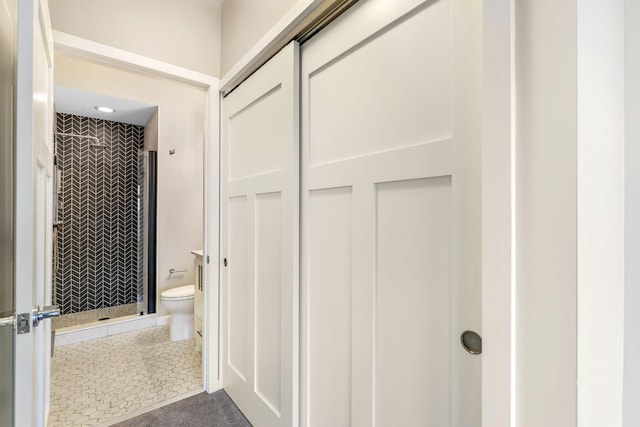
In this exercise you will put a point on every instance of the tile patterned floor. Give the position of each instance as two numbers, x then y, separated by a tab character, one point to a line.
96	381
83	317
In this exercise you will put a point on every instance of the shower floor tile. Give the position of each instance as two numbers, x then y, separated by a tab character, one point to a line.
75	319
95	382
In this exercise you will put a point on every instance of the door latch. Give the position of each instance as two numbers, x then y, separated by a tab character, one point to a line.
22	322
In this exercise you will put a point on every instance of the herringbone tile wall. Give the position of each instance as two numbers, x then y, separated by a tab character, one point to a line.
101	233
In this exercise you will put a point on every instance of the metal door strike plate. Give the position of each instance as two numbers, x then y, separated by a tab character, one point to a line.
22	323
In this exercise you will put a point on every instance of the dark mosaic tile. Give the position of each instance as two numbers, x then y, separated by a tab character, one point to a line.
100	243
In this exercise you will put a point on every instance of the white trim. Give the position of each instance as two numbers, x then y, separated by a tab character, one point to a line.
47	30
600	207
631	415
211	339
498	215
298	12
97	52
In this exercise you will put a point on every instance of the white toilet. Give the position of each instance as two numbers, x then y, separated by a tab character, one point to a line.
179	301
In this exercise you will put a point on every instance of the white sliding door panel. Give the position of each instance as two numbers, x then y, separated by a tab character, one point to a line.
356	131
238	306
268	306
251	155
390	166
329	308
412	302
260	250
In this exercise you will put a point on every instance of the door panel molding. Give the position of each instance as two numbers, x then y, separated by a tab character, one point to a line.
411	164
259	242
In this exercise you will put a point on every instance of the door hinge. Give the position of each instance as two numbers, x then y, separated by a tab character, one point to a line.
207	259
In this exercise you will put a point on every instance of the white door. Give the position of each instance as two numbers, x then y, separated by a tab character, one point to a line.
260	217
391	200
33	207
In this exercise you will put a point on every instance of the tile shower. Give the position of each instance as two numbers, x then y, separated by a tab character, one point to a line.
99	239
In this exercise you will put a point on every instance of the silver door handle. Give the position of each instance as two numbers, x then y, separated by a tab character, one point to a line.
47	312
21	321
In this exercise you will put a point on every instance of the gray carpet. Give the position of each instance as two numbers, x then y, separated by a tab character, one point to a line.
212	410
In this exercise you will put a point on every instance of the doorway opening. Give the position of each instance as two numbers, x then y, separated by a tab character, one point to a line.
103	213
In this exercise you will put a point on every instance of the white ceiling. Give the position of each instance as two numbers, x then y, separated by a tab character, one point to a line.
82	103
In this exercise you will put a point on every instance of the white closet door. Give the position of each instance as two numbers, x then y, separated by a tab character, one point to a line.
391	249
260	222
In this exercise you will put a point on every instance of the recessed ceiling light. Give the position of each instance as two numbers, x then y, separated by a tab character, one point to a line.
104	109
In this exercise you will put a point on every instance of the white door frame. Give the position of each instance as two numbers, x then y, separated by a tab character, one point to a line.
117	58
498	214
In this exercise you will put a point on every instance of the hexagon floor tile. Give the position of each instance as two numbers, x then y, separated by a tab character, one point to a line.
96	381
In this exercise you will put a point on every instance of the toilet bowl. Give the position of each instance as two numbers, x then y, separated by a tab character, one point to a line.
179	301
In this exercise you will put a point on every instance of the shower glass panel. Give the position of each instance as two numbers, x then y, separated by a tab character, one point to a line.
99	242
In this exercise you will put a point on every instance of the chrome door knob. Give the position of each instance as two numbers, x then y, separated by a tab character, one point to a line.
47	312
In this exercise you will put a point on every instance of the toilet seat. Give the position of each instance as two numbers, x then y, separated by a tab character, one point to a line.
178	294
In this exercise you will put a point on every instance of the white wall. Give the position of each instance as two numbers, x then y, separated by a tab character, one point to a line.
632	215
600	161
180	177
244	22
570	212
184	33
